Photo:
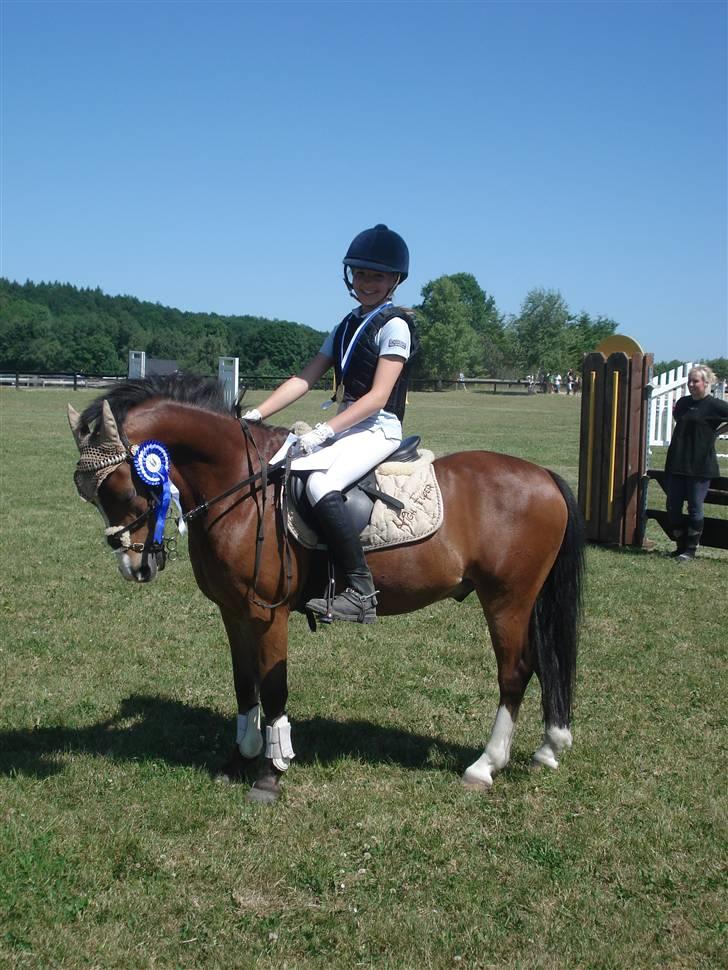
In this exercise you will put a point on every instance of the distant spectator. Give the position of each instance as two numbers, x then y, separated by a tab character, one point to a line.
461	382
570	378
557	383
691	459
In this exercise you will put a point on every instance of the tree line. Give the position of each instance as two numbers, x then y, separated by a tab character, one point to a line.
461	329
719	366
57	327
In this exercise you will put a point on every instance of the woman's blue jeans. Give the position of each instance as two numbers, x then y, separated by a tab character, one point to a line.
681	489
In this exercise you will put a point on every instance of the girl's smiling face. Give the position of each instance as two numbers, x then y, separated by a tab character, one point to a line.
372	287
697	385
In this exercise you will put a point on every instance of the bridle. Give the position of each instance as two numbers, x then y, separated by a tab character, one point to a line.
119	536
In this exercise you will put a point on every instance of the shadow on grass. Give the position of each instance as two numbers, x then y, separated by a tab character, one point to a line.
656	553
148	729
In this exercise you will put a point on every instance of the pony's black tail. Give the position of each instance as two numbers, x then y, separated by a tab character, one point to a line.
556	615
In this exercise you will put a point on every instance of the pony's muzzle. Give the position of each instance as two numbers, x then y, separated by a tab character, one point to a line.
139	567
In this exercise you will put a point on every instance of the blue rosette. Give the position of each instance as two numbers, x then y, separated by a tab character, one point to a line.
151	463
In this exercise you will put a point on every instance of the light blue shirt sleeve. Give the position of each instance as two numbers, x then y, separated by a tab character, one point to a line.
327	347
394	339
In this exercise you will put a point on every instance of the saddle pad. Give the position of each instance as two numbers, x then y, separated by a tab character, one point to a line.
415	485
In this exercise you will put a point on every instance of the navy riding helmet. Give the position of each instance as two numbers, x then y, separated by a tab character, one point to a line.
379	248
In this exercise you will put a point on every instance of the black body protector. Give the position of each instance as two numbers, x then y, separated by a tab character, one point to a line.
359	375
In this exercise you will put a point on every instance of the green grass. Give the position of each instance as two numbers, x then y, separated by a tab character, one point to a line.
119	849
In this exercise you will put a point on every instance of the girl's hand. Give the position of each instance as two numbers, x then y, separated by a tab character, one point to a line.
253	415
313	439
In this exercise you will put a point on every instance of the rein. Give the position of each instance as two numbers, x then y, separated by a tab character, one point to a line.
204	506
263	476
260	530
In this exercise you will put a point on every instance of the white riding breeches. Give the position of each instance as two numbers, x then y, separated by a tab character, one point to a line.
353	454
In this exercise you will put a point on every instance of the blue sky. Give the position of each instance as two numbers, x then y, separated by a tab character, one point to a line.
220	156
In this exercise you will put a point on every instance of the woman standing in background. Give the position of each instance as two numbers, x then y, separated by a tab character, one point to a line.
691	459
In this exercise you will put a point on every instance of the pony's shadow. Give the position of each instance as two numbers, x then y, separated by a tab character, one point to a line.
148	728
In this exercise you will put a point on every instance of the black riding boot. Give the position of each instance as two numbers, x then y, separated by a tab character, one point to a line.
691	545
680	536
358	601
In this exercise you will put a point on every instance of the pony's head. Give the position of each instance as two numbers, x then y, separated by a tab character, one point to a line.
105	476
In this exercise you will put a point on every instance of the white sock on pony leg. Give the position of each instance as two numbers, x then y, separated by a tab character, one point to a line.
555	740
496	755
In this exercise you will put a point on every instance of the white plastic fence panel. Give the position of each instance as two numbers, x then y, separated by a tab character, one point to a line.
227	374
667	388
137	364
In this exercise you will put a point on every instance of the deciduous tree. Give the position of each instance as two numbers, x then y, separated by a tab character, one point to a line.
448	342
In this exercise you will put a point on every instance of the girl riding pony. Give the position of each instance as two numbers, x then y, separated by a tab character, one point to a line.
370	351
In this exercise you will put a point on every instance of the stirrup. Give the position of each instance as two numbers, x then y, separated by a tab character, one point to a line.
351	606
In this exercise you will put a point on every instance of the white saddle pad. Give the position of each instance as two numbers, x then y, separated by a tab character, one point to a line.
415	485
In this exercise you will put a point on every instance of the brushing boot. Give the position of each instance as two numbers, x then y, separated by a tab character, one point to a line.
358	601
691	545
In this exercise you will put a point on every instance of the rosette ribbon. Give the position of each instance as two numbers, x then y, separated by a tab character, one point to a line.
151	463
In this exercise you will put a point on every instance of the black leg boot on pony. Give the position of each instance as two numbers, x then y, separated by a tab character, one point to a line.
358	601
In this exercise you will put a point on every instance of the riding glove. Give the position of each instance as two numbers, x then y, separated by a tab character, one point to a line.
314	439
253	415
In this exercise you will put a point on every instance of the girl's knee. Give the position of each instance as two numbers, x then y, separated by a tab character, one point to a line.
316	487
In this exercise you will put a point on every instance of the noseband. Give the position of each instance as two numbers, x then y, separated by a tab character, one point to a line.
118	536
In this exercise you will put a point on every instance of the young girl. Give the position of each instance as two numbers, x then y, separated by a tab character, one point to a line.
369	350
691	459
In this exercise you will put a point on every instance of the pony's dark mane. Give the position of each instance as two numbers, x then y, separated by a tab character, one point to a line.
202	392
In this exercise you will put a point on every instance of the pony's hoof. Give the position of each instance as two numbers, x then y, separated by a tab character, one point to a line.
476	782
478	786
263	796
479	775
539	762
234	770
267	788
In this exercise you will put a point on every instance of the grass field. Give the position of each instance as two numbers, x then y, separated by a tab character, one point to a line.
119	850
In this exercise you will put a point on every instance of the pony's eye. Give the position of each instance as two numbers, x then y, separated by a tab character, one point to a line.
127	494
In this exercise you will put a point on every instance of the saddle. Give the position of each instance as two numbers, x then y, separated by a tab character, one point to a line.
359	497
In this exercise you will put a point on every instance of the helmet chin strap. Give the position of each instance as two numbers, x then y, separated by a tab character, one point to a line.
396	284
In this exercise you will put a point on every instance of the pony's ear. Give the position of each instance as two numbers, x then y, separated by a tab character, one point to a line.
109	428
74	419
